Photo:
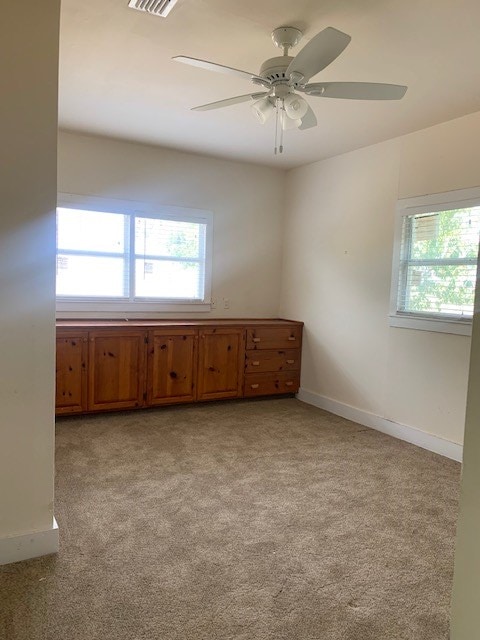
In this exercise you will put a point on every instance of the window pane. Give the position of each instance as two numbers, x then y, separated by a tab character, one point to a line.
90	231
446	234
168	279
90	276
447	289
168	238
427	283
96	252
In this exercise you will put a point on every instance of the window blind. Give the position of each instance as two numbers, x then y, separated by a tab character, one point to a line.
169	259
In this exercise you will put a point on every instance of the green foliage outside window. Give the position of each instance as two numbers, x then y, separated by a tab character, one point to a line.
439	262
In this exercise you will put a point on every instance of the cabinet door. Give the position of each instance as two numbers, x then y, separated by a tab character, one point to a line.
71	372
116	378
220	363
172	366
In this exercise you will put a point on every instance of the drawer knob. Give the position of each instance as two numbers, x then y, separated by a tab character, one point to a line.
292	338
289	383
290	361
254	386
256	363
256	340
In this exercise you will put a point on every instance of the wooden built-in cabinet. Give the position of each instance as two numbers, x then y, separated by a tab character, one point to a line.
108	365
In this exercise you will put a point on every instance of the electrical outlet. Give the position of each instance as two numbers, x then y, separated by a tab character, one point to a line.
226	303
213	303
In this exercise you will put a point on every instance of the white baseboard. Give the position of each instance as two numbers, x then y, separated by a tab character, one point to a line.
422	439
29	545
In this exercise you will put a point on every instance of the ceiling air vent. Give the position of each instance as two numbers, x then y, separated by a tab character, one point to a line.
155	7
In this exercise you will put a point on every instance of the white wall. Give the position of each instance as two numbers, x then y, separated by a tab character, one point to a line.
465	622
338	242
246	201
28	117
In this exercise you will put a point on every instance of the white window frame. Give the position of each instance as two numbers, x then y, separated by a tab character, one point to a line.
459	199
122	308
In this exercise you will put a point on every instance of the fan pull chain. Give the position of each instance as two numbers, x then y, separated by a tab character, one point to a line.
282	116
276	124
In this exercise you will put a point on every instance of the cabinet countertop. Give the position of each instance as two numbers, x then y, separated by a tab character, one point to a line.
182	322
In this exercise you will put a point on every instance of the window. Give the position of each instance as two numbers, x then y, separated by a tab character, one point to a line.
115	255
435	263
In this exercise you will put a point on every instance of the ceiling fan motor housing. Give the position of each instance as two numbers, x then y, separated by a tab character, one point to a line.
274	69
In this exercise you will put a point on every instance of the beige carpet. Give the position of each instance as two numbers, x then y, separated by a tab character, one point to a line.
248	520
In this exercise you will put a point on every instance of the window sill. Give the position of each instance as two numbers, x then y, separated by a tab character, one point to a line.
122	310
457	327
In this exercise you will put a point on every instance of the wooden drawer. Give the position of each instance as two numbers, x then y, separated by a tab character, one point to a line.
272	360
286	337
266	384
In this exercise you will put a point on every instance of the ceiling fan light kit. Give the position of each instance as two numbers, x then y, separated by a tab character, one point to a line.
283	77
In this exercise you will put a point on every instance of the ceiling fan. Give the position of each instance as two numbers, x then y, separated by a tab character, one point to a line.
284	77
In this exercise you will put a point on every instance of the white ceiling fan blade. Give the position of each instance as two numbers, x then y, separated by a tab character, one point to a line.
318	53
219	68
229	101
356	90
309	120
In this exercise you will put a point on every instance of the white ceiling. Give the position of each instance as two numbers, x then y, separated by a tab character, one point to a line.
117	77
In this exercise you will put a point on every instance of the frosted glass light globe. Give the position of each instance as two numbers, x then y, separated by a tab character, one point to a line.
288	123
263	109
295	106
